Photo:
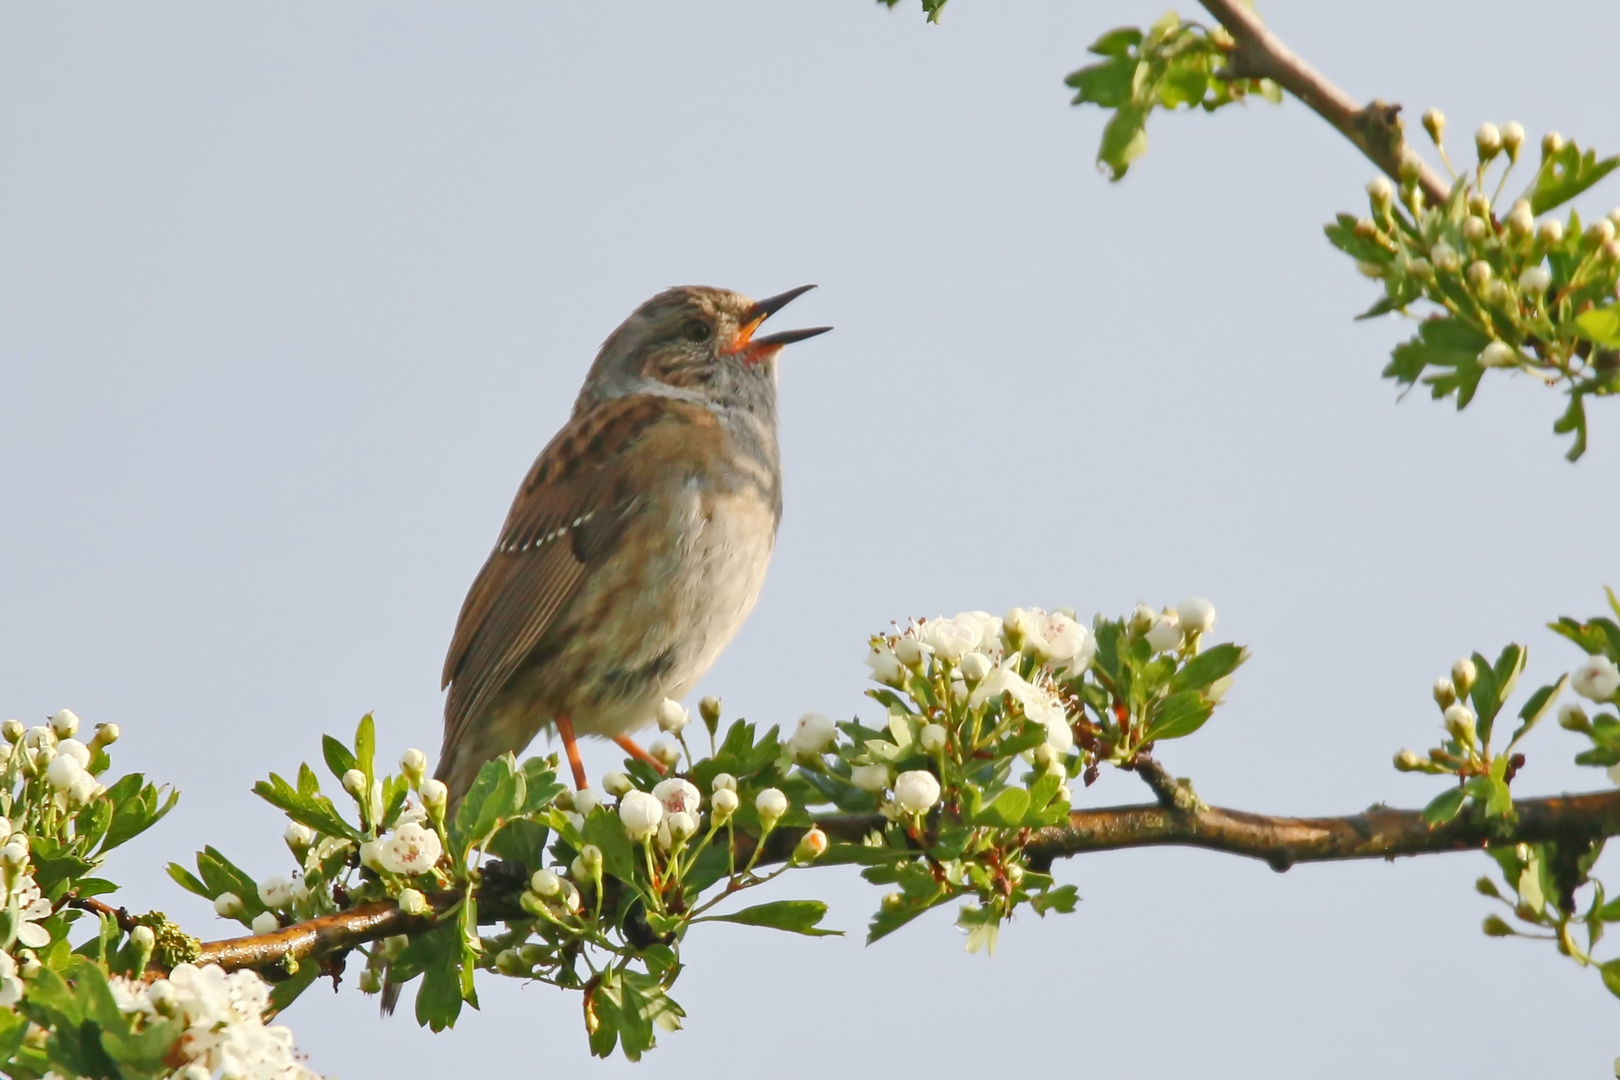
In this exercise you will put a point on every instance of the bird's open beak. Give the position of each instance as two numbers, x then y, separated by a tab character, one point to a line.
759	348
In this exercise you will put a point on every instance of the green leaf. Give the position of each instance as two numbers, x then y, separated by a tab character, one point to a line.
794	916
1538	706
1061	900
1444	806
1444	343
313	810
1117	42
1213	663
186	881
522	842
1107	84
1178	715
365	745
1007	809
338	758
618	854
437	955
284	993
1565	174
1611	976
495	794
1600	325
1124	140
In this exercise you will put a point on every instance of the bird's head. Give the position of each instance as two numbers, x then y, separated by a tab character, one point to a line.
698	342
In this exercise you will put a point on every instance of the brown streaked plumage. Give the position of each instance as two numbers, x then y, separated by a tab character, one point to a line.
636	545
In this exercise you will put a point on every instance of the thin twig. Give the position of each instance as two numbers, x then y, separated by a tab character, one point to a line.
1281	842
1374	128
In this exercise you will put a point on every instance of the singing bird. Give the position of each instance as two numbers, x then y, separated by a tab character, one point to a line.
638	542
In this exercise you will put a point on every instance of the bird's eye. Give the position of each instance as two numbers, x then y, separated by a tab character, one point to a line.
697	330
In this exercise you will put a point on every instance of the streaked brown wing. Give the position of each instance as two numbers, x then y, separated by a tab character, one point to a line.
570	512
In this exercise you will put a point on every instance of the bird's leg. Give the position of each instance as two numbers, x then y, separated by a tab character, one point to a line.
633	748
565	728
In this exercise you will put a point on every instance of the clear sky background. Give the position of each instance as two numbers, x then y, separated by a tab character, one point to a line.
291	295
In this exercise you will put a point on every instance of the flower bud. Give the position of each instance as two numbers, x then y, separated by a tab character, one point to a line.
509	962
354	782
1380	192
412	902
723	805
1535	280
1475	229
1478	204
1600	232
870	778
370	981
1497	354
1460	723
1496	926
413	764
910	652
1143	618
577	870
811	846
973	667
931	738
28	963
893	901
63	770
1551	143
1495	293
709	709
265	922
1411	165
1512	139
813	734
545	883
586	800
13	730
40	737
1445	257
1462	676
1550	232
682	826
1408	761
1611	251
1165	635
371	855
665	753
1488	141
1370	269
65	722
723	782
1434	122
1044	757
916	791
1444	693
641	813
771	804
885	666
143	939
435	796
1521	220
15	851
106	735
671	717
616	784
228	905
1596	679
591	857
1572	717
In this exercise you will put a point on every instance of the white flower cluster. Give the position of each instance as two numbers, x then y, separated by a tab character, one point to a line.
225	1033
974	642
51	750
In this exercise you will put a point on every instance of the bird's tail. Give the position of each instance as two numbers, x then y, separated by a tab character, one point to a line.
390	994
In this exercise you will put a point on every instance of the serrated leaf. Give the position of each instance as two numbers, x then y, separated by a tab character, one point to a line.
1178	716
338	758
1213	663
1117	42
1600	325
1107	84
1565	174
1007	809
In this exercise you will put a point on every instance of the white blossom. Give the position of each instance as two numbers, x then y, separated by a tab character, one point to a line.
873	778
434	796
932	738
265	922
616	784
76	750
65	723
82	789
410	850
354	782
545	883
371	855
916	791
1057	637
586	800
31	908
298	835
951	639
1165	634
682	825
62	771
412	902
671	717
228	905
640	813
1498	354
813	734
1596	679
678	796
413	764
275	892
723	782
39	737
910	652
771	804
1535	280
1195	615
974	666
885	666
992	632
724	803
1550	231
665	753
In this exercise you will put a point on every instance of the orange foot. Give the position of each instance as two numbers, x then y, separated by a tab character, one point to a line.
565	728
633	748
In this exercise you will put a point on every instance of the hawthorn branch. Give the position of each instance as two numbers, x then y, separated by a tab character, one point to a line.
1374	128
1280	842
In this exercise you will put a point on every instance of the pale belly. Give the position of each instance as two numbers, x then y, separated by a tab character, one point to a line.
656	637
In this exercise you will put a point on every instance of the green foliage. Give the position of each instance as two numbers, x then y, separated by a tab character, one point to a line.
1171	65
1504	292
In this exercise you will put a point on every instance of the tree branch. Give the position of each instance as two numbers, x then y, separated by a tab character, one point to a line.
1374	128
1378	833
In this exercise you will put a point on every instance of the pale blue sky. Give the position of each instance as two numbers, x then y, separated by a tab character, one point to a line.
291	295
